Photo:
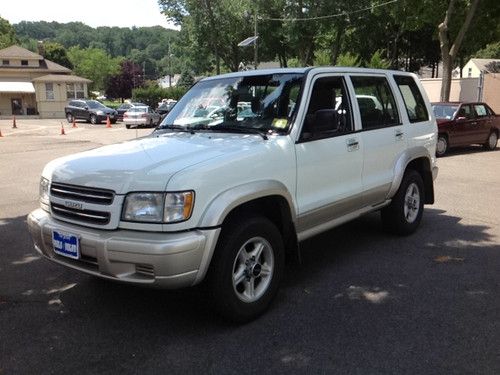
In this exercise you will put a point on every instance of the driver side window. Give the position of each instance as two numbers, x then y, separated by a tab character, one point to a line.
329	111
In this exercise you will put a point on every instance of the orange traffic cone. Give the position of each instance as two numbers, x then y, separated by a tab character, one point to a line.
74	123
62	129
108	123
1	133
14	126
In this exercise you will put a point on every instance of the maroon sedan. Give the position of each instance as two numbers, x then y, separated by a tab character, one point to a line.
463	124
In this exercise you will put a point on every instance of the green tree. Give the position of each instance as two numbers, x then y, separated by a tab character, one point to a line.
94	64
378	62
491	51
348	59
57	53
186	80
7	34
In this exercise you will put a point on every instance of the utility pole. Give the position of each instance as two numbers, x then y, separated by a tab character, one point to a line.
255	46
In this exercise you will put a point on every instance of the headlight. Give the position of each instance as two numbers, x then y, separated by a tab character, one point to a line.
178	206
100	113
44	193
158	207
143	207
44	189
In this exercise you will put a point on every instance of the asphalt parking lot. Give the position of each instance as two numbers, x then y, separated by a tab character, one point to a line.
362	302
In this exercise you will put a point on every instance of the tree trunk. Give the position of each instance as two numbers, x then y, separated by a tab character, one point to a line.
335	49
449	53
215	37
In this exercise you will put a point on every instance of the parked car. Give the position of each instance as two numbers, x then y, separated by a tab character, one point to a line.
89	110
124	107
463	124
141	116
165	107
229	201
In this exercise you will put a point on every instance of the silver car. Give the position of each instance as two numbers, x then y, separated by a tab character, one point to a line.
141	116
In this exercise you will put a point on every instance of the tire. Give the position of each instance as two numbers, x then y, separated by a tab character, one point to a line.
69	117
442	145
94	120
127	126
150	123
404	214
113	121
492	141
246	269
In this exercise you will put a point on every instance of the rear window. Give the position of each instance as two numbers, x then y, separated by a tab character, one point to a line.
138	109
414	102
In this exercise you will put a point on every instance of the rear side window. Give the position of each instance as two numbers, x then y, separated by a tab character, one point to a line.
414	102
480	110
376	102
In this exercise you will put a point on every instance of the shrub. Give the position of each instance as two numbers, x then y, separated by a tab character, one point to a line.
153	94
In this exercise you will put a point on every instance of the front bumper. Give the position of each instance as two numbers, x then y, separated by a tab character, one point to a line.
165	260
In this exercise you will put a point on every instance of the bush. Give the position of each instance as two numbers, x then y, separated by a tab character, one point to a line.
153	94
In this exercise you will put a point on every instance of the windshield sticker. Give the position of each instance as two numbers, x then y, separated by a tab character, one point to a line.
280	123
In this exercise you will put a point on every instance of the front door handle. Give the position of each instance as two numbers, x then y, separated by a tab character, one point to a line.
352	144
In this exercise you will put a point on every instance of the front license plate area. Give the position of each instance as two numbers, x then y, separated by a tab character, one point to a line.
66	244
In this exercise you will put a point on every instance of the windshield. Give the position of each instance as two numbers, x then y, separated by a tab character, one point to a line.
260	102
94	104
442	111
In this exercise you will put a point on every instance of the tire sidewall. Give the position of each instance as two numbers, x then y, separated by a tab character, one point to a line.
445	140
232	238
394	217
69	117
93	119
488	142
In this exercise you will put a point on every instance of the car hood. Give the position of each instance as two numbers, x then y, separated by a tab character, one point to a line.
144	164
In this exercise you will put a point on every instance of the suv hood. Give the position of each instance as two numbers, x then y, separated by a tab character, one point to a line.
144	164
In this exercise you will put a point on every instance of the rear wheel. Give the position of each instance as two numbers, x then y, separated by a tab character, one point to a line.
442	145
69	117
247	267
492	141
127	126
404	213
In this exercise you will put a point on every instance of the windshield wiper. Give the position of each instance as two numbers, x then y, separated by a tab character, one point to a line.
176	127
233	128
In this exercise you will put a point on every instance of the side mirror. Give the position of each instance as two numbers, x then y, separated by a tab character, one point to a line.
461	118
86	107
324	120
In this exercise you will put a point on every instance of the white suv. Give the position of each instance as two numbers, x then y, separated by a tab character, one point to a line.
225	195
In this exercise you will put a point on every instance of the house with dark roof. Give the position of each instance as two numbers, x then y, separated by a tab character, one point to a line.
33	86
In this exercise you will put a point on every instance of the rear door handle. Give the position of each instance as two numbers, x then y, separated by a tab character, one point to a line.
399	134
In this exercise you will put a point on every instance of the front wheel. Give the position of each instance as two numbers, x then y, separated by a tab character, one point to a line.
442	145
492	141
69	117
404	213
93	119
247	267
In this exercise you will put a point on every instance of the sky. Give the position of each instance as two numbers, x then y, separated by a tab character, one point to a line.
122	13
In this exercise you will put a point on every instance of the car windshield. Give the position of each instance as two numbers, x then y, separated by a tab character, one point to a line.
246	103
444	111
95	104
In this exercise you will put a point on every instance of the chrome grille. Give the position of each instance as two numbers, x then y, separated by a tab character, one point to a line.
87	216
82	194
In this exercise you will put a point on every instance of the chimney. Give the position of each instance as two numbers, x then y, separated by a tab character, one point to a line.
41	48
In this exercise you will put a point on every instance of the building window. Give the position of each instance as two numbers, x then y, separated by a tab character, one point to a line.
24	62
5	62
75	91
49	91
469	72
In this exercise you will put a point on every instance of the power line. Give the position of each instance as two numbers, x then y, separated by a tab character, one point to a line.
331	15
